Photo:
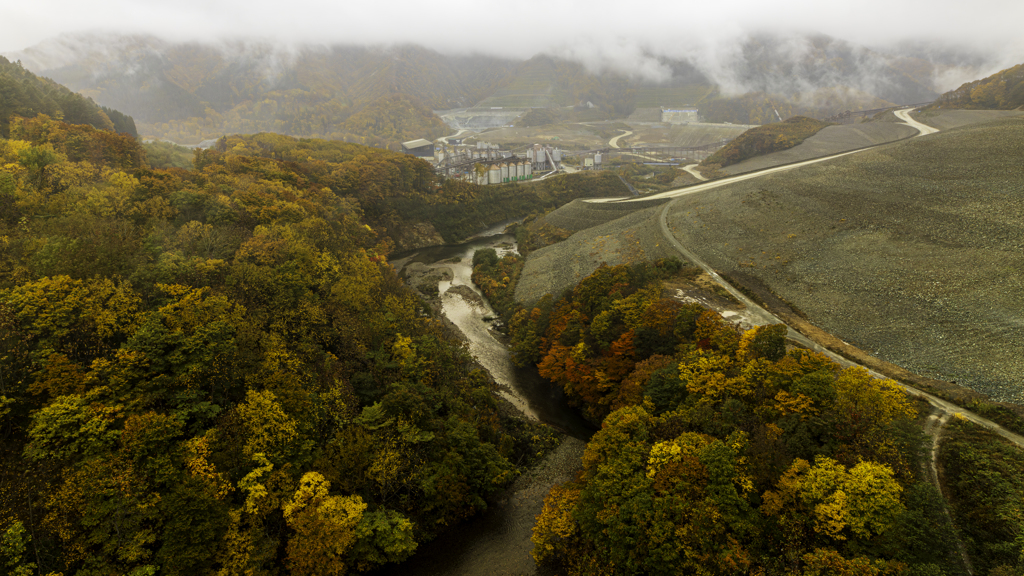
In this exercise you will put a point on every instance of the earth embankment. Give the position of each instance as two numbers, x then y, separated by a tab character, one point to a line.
949	119
830	140
631	238
912	252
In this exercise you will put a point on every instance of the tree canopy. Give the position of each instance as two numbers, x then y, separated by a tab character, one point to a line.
1003	90
25	94
720	451
215	370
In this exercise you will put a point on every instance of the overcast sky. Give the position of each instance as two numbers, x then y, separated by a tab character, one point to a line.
608	29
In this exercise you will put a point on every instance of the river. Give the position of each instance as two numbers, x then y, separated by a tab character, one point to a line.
498	541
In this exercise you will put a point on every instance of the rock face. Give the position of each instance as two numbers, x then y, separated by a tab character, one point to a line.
415	235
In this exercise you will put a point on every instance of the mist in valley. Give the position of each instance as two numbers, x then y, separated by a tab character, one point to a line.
789	48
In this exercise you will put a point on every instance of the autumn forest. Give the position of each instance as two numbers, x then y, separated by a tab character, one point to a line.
208	366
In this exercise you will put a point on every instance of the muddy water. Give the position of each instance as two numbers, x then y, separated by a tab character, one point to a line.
497	542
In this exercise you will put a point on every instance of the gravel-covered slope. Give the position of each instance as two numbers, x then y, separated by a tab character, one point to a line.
580	214
914	252
635	237
949	119
830	140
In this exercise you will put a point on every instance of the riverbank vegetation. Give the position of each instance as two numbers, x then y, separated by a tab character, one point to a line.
215	370
651	179
723	452
459	208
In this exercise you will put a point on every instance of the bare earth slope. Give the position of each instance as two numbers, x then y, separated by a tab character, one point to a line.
830	140
633	238
948	119
913	251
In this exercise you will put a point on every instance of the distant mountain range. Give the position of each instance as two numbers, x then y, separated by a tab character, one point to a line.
188	92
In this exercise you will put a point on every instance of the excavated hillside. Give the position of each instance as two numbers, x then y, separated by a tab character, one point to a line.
831	140
911	251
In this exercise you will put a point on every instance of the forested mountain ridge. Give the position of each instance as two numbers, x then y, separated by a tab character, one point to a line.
1003	90
216	371
817	77
25	94
787	66
189	92
395	117
544	81
397	193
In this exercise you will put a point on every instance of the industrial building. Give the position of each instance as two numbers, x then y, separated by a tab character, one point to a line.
419	148
544	157
679	116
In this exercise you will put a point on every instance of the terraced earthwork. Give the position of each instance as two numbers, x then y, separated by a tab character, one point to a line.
913	251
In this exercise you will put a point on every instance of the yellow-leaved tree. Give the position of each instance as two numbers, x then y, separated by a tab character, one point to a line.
838	503
325	527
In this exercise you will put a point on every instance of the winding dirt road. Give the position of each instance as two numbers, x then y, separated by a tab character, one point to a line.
759	315
444	139
922	129
903	115
614	142
692	170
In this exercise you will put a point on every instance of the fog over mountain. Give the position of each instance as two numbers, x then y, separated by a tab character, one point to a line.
633	38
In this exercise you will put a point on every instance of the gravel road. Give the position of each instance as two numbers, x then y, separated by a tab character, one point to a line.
830	140
913	252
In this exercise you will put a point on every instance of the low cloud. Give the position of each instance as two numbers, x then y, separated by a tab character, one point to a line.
632	38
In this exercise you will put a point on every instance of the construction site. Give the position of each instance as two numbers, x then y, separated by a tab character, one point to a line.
488	148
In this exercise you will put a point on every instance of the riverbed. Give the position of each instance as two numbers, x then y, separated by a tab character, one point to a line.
498	541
